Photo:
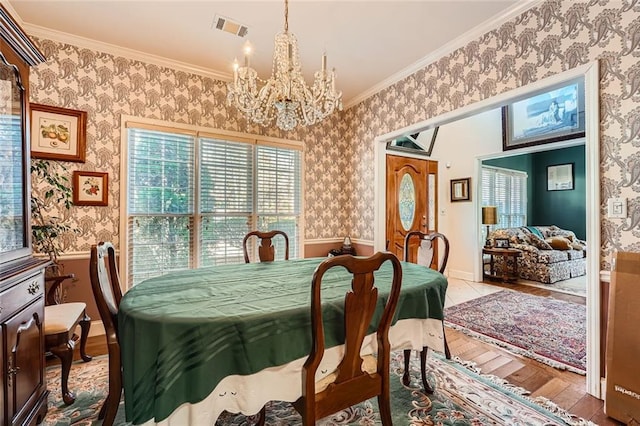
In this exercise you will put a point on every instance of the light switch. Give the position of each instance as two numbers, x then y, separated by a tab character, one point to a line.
617	208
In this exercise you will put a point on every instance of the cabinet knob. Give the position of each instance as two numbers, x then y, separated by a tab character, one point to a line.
33	287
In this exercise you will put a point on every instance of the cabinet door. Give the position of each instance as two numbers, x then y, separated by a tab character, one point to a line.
24	360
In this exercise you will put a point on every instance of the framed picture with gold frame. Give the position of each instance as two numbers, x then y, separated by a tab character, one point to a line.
58	133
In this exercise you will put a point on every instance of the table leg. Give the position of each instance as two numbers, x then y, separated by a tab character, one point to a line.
491	265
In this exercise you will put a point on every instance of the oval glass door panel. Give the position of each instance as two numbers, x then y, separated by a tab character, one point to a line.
407	201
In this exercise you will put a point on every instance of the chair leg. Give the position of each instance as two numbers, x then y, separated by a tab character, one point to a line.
112	402
65	353
263	415
103	409
423	369
385	409
406	379
85	325
447	352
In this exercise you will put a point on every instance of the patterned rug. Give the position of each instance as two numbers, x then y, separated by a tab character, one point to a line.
548	330
462	397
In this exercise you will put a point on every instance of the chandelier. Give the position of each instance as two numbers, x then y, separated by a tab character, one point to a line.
285	96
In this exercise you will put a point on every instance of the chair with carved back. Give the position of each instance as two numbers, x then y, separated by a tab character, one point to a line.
356	378
60	322
424	249
266	249
266	253
105	283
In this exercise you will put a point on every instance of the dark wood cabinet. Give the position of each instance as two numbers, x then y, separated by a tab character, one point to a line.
21	320
23	390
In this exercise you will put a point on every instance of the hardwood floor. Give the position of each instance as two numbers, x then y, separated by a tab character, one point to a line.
564	388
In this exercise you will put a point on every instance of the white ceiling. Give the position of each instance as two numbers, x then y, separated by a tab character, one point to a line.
370	43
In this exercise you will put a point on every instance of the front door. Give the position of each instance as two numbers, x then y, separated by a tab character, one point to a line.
411	199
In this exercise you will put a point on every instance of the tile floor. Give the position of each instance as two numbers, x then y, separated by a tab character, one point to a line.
460	291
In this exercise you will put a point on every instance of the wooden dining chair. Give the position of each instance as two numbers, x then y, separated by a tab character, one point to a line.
266	249
356	378
423	249
60	322
105	283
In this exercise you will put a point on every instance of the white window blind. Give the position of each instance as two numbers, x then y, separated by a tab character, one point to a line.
506	189
160	202
193	199
278	183
226	194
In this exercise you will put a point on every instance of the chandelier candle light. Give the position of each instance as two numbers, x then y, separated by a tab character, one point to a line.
285	96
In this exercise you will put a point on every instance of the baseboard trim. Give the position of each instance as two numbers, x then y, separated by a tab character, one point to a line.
461	275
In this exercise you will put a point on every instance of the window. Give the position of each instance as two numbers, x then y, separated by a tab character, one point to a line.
192	197
506	189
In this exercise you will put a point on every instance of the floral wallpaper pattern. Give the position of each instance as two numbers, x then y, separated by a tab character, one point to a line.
107	86
550	38
553	37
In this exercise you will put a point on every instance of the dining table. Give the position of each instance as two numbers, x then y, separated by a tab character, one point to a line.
232	337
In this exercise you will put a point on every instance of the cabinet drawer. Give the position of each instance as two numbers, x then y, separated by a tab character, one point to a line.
20	294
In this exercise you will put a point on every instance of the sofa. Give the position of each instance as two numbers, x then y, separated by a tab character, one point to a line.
549	254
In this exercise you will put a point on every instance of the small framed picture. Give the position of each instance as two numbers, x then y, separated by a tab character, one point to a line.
90	188
560	177
460	189
501	243
58	133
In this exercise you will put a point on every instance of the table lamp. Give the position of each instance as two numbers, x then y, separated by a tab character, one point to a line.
489	217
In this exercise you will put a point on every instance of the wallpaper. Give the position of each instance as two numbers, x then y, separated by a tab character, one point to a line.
550	38
107	86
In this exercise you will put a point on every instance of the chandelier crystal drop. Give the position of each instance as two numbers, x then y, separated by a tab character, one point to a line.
285	96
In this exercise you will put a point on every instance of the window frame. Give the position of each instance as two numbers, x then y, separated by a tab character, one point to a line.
501	170
198	132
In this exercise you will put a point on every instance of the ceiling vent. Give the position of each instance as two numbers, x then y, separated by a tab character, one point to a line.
230	26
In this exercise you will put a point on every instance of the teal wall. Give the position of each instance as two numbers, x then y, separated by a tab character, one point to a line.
566	209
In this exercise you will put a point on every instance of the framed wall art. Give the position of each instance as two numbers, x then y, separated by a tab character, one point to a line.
418	143
90	188
460	189
58	133
554	115
560	177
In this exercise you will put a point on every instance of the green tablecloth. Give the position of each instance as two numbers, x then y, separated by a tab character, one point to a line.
181	333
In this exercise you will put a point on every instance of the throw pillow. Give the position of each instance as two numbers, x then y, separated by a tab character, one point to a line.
539	242
577	246
559	243
535	231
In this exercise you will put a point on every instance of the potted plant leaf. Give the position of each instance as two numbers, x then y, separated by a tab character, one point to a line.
53	194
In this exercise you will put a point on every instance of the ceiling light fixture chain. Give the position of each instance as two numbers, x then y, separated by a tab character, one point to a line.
285	96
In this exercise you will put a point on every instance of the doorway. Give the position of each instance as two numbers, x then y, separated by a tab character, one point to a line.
465	222
411	199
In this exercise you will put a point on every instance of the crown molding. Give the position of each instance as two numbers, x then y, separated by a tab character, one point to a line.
37	31
517	9
87	43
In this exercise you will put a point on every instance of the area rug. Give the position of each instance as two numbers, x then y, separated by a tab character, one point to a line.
548	330
462	397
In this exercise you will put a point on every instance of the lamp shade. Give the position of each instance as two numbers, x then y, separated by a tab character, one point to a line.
489	215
